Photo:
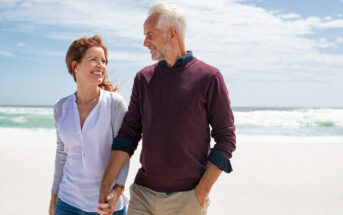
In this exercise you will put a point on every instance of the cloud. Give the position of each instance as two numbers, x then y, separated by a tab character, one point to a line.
46	52
7	54
244	41
330	24
290	16
125	56
106	16
70	36
328	18
8	3
253	40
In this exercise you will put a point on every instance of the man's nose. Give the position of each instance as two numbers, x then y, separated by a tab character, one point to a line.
146	42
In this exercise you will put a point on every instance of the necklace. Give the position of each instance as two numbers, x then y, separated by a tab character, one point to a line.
80	101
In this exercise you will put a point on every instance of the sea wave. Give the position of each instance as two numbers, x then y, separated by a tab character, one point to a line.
22	110
249	121
294	118
26	117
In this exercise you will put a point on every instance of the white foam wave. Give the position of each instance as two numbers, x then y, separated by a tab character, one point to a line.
20	120
42	111
288	139
297	118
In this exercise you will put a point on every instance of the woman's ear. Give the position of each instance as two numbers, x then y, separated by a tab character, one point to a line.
74	66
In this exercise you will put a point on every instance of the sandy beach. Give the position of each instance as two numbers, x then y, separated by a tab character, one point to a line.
294	176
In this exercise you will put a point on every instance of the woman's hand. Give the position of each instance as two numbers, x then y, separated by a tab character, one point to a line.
108	207
52	206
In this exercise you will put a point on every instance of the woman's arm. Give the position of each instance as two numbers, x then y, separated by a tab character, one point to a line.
60	160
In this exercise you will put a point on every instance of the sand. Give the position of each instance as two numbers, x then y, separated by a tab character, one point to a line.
272	176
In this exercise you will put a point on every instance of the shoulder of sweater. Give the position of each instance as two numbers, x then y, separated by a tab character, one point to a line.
147	69
206	66
206	69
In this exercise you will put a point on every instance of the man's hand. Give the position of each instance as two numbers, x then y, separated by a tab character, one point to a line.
201	195
206	182
104	207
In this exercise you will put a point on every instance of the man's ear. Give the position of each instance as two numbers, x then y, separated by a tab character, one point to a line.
172	33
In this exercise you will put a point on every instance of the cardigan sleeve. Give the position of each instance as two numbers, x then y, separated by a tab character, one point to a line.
118	111
61	156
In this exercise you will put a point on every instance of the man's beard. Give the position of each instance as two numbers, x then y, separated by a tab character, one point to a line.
162	52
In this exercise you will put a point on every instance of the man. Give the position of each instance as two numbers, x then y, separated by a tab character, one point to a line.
173	104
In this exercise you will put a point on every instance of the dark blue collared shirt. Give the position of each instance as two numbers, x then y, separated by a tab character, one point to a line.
181	61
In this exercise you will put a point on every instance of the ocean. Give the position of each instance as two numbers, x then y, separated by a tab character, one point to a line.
249	121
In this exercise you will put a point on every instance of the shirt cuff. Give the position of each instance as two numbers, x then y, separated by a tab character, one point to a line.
220	161
122	144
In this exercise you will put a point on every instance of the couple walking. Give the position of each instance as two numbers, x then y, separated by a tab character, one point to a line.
176	105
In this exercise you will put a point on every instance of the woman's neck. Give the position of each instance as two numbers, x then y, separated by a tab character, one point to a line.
86	94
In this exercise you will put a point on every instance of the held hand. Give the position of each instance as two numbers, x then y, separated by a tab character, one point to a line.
105	209
113	197
104	190
103	206
108	206
201	195
52	206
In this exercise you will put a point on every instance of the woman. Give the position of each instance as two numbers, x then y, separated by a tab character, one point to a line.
86	123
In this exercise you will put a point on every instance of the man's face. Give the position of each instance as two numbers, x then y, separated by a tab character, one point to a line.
155	39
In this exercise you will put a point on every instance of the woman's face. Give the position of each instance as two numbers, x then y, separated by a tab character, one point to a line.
92	68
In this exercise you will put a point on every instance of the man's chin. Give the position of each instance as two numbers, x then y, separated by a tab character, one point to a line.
156	58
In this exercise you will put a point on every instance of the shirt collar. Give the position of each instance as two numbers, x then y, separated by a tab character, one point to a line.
181	61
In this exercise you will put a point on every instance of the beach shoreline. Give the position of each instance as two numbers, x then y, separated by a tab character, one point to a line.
281	176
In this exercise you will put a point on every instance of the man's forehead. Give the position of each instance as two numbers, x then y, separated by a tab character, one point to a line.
153	18
150	24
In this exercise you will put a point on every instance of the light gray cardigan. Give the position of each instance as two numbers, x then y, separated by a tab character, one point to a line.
118	111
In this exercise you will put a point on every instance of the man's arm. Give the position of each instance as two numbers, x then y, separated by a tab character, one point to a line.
116	163
127	138
107	196
123	147
221	119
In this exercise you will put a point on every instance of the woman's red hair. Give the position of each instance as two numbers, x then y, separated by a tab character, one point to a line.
77	51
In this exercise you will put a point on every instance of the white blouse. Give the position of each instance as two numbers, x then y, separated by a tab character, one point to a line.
88	150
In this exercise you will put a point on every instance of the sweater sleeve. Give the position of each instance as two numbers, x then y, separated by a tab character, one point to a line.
221	119
61	156
131	130
118	113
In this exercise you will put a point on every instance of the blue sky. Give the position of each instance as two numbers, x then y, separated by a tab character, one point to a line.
270	52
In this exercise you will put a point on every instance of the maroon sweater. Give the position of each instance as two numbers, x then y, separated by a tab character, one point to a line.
173	108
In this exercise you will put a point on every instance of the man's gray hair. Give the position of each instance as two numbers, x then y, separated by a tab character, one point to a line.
170	16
